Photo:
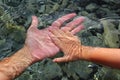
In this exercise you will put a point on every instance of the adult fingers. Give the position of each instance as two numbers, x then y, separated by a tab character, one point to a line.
55	40
70	26
77	29
61	20
69	34
61	59
57	32
34	23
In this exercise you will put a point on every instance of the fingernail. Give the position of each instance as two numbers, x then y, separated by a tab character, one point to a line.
82	17
73	13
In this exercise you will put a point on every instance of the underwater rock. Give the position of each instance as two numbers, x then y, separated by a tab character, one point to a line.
13	3
111	38
5	48
11	34
106	73
44	70
76	70
73	7
119	26
112	1
91	7
1	10
82	3
84	13
92	34
92	16
55	8
17	18
64	3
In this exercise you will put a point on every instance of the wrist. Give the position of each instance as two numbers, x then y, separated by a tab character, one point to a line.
25	55
86	52
34	53
13	66
3	76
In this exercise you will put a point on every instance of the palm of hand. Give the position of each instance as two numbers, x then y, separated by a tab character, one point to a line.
40	44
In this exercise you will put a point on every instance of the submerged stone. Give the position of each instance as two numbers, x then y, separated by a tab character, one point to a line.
111	38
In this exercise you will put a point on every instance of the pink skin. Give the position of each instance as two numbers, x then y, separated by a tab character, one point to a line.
39	42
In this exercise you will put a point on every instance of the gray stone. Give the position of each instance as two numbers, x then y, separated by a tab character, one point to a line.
112	1
91	7
92	16
111	39
50	10
119	26
84	13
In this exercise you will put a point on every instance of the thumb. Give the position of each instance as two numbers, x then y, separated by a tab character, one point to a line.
34	23
61	59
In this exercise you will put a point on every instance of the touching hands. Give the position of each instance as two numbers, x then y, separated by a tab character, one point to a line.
68	43
47	42
39	42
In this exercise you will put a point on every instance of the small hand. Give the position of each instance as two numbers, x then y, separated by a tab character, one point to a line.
39	42
68	43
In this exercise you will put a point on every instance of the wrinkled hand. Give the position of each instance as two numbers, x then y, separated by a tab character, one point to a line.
39	42
68	43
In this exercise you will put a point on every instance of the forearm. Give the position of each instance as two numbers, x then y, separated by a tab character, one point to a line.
13	66
105	56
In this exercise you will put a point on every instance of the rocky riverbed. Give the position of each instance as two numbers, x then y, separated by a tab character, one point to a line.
102	29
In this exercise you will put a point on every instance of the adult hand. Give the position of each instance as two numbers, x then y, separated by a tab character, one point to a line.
68	43
39	42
